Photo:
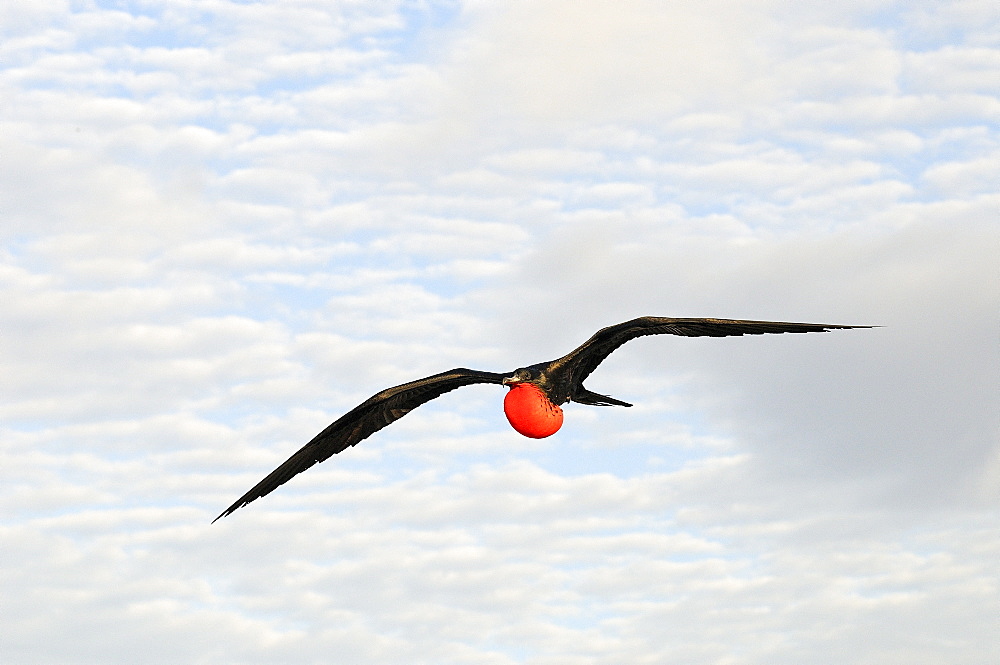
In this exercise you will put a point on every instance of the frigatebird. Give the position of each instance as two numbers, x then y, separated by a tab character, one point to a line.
532	403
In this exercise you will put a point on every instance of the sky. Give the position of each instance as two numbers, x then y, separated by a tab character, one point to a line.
226	223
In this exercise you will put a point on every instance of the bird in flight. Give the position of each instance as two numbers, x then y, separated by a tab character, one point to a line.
532	403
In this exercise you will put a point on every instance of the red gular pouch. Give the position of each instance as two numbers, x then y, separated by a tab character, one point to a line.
530	412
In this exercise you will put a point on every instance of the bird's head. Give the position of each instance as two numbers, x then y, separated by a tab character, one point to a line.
522	375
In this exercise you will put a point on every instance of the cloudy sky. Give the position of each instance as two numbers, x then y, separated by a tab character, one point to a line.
224	223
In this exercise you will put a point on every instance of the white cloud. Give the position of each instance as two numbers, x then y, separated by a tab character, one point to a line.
568	61
225	224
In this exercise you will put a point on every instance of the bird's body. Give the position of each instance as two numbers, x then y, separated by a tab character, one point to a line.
533	404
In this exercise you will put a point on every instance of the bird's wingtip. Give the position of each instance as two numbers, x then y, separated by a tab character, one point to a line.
828	327
225	512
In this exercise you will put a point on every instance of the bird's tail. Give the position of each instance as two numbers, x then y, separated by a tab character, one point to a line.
584	396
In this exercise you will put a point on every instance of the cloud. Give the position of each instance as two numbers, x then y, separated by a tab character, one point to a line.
225	225
593	62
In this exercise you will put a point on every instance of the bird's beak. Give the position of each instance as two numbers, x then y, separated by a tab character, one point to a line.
509	381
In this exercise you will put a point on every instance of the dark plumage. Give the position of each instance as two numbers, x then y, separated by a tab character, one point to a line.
560	380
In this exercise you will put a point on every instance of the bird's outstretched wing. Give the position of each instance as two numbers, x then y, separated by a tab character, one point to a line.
579	363
361	422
